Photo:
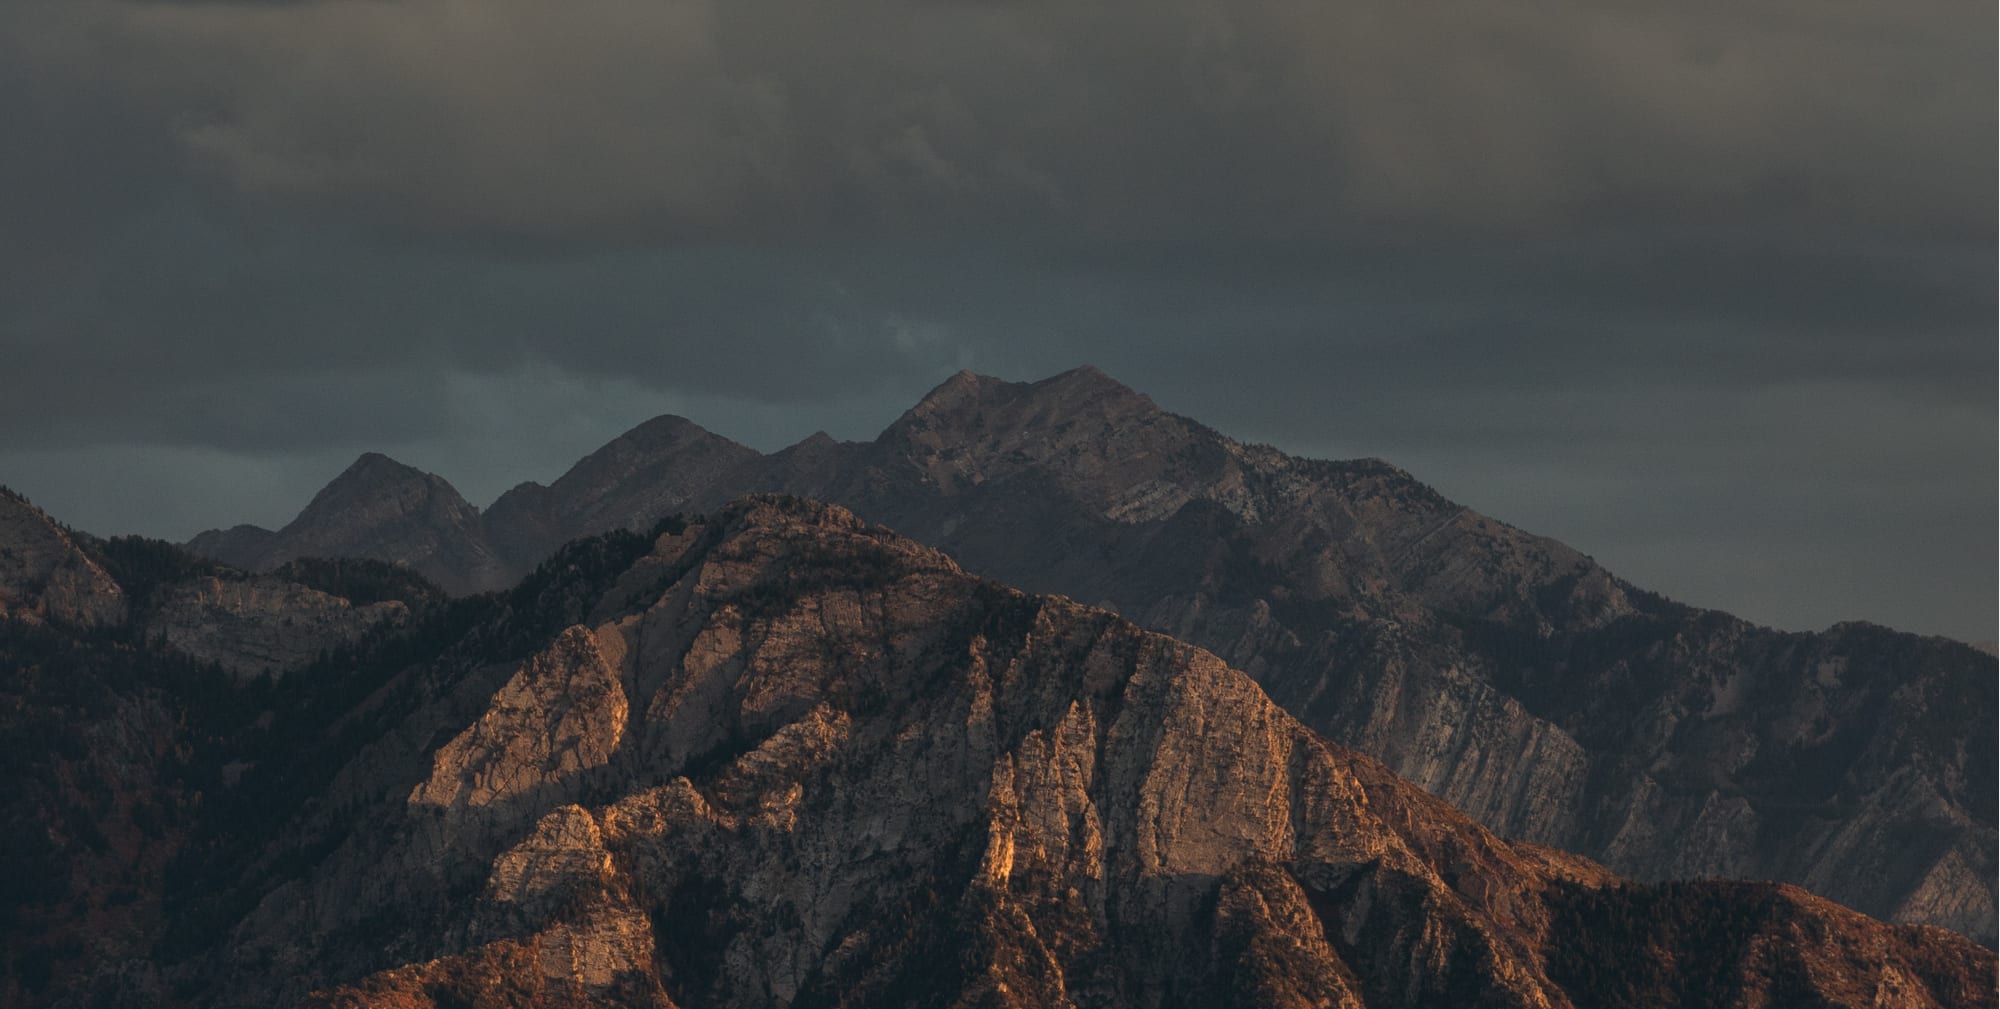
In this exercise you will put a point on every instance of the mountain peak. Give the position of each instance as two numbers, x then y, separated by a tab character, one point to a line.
387	510
377	462
1095	434
665	428
636	479
664	441
374	483
1087	375
967	400
1087	386
964	386
373	469
1385	614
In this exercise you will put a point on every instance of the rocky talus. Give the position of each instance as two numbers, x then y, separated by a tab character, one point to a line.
1505	672
785	758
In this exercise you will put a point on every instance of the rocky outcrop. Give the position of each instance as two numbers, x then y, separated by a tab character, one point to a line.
560	716
781	757
46	575
251	626
245	625
128	725
815	764
1507	673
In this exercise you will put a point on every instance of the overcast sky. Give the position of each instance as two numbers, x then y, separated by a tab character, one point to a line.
1705	289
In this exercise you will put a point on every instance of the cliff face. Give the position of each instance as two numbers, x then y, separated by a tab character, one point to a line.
258	625
788	759
784	758
1503	671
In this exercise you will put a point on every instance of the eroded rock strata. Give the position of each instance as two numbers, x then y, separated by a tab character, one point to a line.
788	759
1505	672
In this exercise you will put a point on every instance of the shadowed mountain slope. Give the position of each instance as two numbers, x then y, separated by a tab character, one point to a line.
45	573
138	684
780	757
1506	672
654	469
380	509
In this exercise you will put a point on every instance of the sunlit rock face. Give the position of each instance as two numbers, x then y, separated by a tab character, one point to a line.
782	757
817	764
1505	672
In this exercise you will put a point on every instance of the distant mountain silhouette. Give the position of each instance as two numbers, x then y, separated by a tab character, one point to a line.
381	509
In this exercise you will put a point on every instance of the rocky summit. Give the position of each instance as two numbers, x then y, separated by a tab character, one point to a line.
778	756
381	509
1505	672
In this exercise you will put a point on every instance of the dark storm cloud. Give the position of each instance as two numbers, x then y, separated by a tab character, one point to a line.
1706	289
638	118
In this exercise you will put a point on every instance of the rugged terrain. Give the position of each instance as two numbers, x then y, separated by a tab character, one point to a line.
137	685
383	510
1505	672
45	574
780	757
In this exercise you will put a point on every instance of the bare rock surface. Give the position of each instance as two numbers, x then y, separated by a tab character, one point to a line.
45	574
781	757
259	625
1505	672
817	764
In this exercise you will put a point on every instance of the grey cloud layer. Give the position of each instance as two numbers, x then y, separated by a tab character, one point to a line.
640	118
1706	288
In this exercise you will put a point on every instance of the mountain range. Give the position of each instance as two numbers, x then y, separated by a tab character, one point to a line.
1506	673
771	755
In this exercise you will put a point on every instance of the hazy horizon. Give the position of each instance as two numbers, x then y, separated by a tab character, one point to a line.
1706	291
767	433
